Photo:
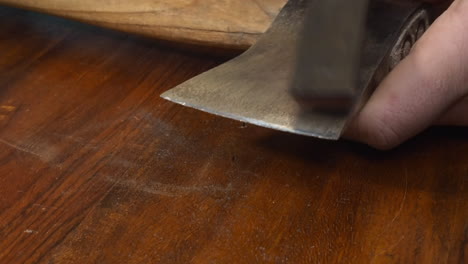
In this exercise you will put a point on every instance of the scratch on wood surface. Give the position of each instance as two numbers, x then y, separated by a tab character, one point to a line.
400	209
12	145
173	190
45	207
387	227
387	250
402	204
46	157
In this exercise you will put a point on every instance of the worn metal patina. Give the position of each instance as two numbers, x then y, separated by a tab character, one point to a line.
282	84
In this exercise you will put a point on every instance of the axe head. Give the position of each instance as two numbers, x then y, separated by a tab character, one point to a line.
313	69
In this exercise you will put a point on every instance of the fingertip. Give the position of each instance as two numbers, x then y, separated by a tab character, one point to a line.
372	132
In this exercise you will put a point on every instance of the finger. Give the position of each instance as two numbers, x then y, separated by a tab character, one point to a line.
456	116
422	87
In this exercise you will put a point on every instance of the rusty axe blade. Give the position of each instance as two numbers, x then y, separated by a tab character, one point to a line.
313	69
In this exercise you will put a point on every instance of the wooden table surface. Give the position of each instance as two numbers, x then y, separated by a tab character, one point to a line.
96	168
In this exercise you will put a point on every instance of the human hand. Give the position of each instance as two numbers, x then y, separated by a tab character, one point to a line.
429	87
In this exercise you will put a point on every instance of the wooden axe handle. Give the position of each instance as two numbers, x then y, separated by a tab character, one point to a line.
225	23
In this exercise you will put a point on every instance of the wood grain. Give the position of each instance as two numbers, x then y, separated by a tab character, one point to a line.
227	23
96	168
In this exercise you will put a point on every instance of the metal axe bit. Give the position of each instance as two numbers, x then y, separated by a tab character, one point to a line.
313	69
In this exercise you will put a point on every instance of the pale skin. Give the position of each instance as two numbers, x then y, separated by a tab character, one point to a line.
429	87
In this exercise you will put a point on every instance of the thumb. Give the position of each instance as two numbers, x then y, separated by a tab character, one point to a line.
422	87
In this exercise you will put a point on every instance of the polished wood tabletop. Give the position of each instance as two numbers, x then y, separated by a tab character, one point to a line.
96	168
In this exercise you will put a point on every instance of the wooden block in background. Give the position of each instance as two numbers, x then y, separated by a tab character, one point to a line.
224	23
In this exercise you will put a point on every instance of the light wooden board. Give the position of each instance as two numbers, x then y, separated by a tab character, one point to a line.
227	23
